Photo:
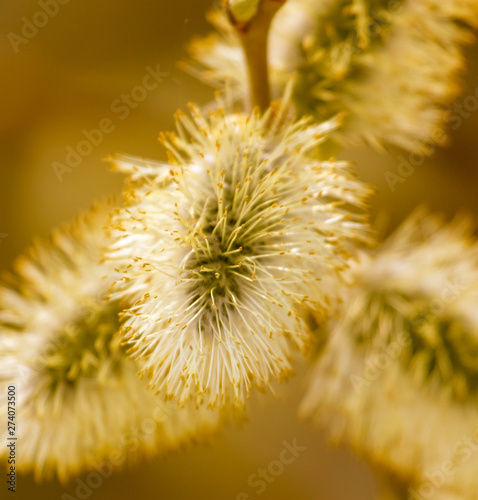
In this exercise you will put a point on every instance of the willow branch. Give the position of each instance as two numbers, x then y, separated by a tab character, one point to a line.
254	34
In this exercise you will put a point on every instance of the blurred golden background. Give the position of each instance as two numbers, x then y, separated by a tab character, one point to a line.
66	78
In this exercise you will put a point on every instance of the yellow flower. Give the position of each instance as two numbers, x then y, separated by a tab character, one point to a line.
390	66
221	246
80	403
397	377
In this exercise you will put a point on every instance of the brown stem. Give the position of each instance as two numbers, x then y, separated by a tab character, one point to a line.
254	37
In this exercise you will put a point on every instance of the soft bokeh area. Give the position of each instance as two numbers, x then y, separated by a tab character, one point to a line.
64	82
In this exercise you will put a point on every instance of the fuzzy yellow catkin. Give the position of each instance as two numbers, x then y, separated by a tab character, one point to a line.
397	378
391	66
80	404
222	246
